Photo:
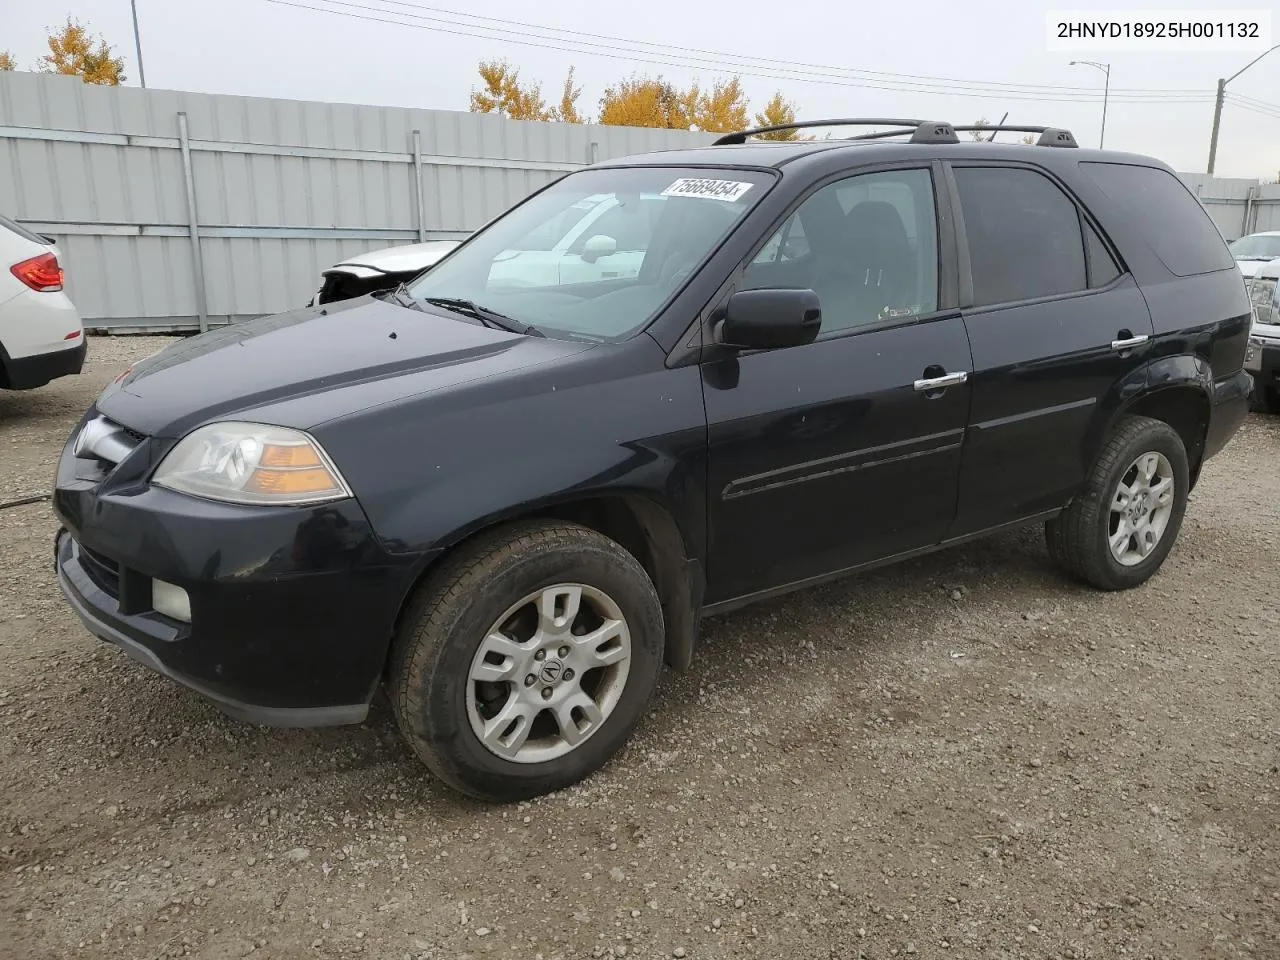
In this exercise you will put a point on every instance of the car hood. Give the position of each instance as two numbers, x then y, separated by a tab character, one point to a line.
1268	268
304	367
1250	268
401	259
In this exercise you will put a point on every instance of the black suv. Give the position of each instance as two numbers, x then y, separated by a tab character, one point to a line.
512	497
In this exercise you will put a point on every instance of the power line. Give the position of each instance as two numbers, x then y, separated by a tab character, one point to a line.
1149	97
1254	100
1234	101
720	55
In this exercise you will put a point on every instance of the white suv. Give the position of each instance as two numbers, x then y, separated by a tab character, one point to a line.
1252	251
1263	357
40	332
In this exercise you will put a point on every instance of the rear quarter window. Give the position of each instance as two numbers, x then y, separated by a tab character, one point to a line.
23	232
1172	220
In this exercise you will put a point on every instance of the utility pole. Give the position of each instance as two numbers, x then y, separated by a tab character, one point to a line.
1218	101
1106	93
137	43
1217	122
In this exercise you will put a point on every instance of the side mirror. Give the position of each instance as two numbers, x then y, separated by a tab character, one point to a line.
597	247
770	319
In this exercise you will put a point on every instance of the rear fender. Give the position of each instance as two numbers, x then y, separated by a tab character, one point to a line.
1174	389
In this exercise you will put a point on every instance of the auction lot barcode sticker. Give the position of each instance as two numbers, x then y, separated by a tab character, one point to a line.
1158	31
728	190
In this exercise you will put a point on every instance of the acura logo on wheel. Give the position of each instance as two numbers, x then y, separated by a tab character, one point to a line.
551	671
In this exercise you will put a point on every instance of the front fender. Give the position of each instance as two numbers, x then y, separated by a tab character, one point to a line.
434	470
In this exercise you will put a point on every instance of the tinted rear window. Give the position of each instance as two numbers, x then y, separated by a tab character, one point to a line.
22	231
1175	224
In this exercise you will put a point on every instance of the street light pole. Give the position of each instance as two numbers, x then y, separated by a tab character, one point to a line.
1106	93
1217	106
137	43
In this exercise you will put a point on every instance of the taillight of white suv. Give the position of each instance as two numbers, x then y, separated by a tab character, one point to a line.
42	273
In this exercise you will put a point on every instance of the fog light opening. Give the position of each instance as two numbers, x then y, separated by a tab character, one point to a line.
170	600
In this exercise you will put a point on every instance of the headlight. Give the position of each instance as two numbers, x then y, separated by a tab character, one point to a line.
1262	291
251	463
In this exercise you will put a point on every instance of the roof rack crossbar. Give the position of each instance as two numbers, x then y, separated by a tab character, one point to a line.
1049	136
920	131
741	136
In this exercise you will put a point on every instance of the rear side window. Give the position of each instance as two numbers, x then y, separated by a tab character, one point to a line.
1102	266
1171	218
1023	233
22	231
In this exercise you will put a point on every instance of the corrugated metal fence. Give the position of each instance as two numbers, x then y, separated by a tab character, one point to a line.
1237	206
141	187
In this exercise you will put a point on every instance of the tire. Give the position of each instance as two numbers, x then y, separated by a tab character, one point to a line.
1080	537
1264	399
438	703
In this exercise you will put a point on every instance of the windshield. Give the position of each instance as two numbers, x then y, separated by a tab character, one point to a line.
599	253
1257	247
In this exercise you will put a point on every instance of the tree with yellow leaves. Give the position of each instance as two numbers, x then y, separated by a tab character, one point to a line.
644	102
6	61
74	53
776	112
636	101
649	102
567	111
723	110
503	94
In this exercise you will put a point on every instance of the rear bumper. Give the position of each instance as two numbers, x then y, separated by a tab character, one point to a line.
1229	405
27	373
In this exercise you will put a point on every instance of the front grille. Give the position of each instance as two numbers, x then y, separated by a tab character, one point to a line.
106	441
103	571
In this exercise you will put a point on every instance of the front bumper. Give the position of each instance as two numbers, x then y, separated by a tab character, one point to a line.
100	613
1263	361
292	610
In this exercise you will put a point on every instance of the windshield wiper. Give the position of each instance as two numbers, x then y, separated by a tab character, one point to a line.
400	295
490	318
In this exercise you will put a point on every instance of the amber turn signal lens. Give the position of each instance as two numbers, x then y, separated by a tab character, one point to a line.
289	456
312	481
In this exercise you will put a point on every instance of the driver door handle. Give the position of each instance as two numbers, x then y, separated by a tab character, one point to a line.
941	383
1128	342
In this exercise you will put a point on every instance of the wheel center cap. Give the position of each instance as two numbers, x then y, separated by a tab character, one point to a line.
551	671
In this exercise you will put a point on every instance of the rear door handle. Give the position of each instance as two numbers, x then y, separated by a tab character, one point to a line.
941	383
1129	342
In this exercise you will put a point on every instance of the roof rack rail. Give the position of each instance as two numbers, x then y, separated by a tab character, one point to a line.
922	131
1049	136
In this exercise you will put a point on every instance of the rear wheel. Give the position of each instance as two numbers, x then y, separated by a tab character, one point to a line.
1118	530
525	663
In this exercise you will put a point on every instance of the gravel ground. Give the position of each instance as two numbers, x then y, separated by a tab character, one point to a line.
964	756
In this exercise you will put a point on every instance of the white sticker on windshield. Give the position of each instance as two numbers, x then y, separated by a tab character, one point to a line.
727	190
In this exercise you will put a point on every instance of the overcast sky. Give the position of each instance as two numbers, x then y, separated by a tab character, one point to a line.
261	48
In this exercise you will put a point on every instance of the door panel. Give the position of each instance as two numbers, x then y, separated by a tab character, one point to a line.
1049	306
825	456
1040	371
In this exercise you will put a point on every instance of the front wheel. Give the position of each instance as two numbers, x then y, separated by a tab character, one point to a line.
1264	399
1118	530
525	663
